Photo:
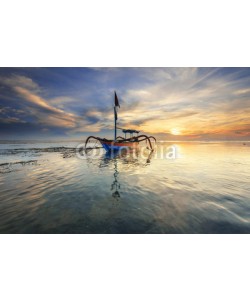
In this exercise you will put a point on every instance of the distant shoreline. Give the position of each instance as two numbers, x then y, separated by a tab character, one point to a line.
83	140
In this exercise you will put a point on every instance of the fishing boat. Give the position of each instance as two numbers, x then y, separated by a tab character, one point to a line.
119	142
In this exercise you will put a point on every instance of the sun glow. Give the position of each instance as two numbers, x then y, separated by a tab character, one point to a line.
175	131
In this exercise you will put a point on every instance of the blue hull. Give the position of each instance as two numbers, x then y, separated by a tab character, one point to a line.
117	146
108	148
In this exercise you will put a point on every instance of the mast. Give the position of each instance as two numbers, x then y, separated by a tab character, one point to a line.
115	116
116	103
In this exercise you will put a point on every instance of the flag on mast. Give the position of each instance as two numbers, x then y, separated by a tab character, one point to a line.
116	100
116	105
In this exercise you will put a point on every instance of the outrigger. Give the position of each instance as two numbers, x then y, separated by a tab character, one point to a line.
122	142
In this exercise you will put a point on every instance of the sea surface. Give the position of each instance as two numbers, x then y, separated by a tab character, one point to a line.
190	187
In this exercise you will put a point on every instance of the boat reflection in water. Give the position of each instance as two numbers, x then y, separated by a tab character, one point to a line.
126	158
115	185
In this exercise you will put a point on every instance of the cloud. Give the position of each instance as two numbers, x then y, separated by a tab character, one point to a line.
47	114
10	120
204	103
9	115
19	80
200	102
37	106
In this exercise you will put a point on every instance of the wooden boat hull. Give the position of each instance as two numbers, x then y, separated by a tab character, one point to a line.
116	146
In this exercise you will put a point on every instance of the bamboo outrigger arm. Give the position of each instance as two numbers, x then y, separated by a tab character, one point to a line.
92	137
137	139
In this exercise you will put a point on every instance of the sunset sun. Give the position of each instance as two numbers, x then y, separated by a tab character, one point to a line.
175	131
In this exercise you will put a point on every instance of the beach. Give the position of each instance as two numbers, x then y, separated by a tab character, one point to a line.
48	188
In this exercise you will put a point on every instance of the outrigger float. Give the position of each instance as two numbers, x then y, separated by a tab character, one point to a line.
119	142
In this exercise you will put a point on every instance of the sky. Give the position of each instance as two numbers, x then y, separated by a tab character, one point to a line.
171	103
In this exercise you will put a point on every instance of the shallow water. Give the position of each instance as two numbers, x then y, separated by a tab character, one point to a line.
204	190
